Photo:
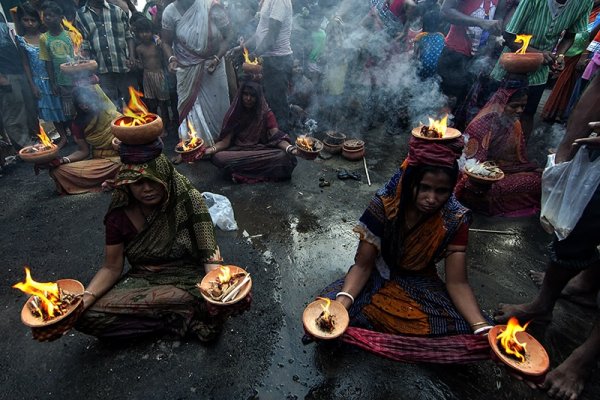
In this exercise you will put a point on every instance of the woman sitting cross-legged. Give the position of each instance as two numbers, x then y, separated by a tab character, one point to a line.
250	147
160	222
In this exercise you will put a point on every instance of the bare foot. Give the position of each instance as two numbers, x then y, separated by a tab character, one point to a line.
582	289
568	379
523	312
177	159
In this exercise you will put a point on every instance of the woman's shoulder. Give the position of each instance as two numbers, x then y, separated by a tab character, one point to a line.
454	211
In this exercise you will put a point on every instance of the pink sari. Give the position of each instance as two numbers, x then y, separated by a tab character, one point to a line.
495	137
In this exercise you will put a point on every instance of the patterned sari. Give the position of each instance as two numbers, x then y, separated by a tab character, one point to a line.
158	293
493	137
405	295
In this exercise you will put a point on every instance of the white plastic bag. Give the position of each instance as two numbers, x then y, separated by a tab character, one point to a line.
220	211
567	188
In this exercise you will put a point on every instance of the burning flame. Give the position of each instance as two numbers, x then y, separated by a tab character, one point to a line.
193	141
225	275
46	142
135	113
439	126
247	58
508	339
74	34
525	40
305	142
48	293
325	306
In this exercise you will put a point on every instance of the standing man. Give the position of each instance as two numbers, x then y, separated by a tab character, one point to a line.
272	40
108	40
546	21
17	105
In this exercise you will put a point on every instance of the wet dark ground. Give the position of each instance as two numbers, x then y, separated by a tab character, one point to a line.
295	238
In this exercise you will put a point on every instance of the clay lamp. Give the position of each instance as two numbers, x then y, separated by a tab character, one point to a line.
225	285
137	125
190	147
40	153
252	67
79	67
308	147
518	349
325	319
521	62
436	130
53	307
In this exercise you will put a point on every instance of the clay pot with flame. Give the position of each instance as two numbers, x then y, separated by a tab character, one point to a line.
521	62
518	349
308	147
251	66
325	308
137	125
436	130
235	280
40	153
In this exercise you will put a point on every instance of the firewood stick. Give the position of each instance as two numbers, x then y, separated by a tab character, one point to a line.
367	171
235	291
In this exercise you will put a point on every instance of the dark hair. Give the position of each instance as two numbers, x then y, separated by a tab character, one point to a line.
519	94
27	9
394	231
431	20
52	7
143	25
135	17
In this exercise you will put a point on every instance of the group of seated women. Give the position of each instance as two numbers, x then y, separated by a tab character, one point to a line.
159	222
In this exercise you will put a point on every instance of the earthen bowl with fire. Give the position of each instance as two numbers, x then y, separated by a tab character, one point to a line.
521	62
136	125
534	362
40	153
308	147
251	66
315	311
190	146
225	285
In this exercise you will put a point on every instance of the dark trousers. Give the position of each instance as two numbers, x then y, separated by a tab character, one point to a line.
277	74
116	86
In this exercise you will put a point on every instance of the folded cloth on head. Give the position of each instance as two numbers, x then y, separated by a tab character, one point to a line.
438	153
140	153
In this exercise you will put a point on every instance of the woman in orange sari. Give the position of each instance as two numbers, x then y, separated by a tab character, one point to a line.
411	223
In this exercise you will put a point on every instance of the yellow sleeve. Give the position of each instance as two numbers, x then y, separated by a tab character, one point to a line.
44	53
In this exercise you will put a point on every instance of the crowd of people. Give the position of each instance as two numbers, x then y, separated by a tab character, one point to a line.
345	64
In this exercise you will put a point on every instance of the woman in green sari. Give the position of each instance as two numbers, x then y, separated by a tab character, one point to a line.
160	222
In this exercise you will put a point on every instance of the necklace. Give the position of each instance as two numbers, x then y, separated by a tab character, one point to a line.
146	216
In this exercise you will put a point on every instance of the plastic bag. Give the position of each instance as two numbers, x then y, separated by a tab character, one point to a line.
567	188
220	211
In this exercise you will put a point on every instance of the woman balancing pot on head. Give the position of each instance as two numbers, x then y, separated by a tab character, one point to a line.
411	223
160	223
251	148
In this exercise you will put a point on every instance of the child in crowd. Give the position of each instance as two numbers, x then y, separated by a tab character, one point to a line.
49	106
149	54
429	43
56	48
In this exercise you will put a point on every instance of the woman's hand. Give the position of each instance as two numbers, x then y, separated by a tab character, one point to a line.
36	92
212	64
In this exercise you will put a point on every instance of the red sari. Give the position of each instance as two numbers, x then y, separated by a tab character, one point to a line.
494	137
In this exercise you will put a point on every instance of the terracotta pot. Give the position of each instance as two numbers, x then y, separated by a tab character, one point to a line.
212	276
332	148
536	361
311	154
38	157
252	68
115	144
354	144
313	311
83	67
140	134
483	179
353	155
334	138
521	63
